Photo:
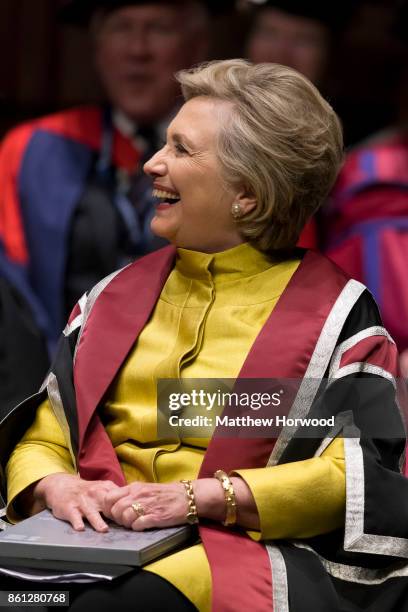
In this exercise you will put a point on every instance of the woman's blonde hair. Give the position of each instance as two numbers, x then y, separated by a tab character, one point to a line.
282	141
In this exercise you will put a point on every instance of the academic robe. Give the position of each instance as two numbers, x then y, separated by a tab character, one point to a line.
366	225
44	167
326	333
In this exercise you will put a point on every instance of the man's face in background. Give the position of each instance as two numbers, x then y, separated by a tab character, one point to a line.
138	48
299	42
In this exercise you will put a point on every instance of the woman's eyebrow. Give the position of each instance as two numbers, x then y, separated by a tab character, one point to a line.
177	137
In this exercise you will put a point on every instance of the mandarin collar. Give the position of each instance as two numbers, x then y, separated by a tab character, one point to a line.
238	262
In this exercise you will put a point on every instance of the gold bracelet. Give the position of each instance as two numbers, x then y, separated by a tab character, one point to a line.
192	516
230	501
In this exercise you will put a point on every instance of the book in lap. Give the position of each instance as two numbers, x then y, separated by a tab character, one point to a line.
44	538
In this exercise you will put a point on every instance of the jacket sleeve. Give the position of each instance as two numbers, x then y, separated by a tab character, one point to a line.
37	438
300	499
41	451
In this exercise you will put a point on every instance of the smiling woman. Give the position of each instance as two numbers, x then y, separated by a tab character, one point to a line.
275	178
188	169
291	523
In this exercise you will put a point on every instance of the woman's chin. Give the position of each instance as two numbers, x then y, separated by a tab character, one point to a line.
162	228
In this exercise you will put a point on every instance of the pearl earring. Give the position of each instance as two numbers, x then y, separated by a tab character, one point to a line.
236	210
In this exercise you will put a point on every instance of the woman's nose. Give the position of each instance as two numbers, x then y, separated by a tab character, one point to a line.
156	165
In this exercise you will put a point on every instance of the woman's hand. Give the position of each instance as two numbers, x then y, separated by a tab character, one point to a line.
73	499
164	505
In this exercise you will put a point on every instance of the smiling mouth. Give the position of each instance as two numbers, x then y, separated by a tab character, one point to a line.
166	197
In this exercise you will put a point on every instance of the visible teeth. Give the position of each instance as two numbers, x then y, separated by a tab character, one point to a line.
158	193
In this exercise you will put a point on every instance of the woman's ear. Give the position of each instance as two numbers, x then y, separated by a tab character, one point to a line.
246	200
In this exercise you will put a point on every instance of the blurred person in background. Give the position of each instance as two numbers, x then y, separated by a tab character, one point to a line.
296	33
293	33
74	203
366	220
300	35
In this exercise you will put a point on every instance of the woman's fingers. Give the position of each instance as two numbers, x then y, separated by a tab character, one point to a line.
122	511
113	505
95	520
76	515
128	517
71	515
114	495
154	520
148	521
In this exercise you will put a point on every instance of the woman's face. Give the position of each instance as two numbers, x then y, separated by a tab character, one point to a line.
187	168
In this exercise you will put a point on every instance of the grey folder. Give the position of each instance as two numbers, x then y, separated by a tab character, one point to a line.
43	537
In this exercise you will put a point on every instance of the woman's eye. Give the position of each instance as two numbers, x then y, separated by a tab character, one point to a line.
179	148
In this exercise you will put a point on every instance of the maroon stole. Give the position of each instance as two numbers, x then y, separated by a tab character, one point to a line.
241	571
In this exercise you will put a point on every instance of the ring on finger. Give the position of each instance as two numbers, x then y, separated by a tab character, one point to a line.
138	509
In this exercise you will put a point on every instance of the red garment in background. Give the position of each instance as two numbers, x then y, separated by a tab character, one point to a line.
366	226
